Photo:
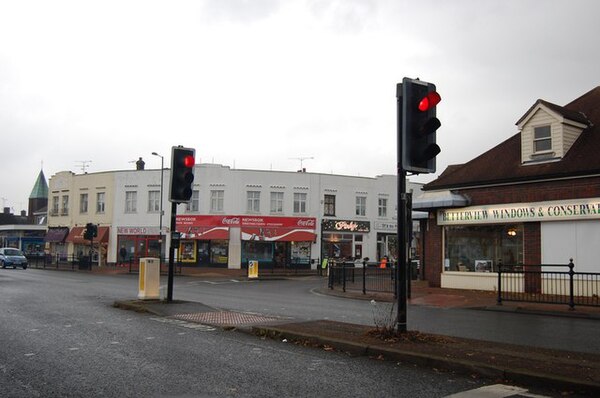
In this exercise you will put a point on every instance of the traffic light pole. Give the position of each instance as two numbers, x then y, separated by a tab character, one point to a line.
171	253
403	219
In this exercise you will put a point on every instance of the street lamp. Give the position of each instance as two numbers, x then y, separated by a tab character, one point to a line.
160	240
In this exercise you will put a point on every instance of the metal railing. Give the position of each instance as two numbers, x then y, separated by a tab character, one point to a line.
366	277
548	284
65	262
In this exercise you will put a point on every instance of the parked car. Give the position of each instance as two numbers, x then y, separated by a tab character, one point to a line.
11	257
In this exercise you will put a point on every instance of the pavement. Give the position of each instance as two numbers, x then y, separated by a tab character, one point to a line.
565	371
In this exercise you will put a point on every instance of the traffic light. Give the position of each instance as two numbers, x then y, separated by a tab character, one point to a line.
419	125
91	231
182	174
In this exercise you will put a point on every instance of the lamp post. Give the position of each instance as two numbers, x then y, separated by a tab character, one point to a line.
160	239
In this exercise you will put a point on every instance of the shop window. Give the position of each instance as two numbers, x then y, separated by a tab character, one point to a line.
219	251
329	205
481	248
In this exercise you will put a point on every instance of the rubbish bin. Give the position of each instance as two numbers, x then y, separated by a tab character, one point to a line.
84	263
252	269
149	279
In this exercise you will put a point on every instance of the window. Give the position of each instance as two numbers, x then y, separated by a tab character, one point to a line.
216	201
542	140
194	204
153	201
253	201
276	202
299	203
83	203
382	207
64	210
329	205
54	206
361	205
130	201
480	248
100	197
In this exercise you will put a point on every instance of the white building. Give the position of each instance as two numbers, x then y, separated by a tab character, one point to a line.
276	217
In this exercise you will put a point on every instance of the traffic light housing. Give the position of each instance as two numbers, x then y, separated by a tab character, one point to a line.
91	231
182	174
418	126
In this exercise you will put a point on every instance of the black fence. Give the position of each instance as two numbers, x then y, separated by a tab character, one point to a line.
368	277
548	284
85	263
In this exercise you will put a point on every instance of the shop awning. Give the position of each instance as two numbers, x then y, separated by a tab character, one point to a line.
438	199
206	233
76	235
56	235
278	234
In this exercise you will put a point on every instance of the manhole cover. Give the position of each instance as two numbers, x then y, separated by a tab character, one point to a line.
226	318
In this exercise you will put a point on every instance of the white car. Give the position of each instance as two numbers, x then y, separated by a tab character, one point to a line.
11	257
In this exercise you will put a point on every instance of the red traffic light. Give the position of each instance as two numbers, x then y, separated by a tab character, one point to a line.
429	101
189	161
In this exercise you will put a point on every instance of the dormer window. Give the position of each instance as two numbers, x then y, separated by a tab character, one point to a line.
542	140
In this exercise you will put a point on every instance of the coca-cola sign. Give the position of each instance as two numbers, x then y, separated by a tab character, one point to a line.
346	225
185	221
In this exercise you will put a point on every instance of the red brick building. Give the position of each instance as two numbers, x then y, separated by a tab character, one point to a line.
533	199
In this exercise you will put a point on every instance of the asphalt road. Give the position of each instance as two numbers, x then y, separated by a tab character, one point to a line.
300	299
61	337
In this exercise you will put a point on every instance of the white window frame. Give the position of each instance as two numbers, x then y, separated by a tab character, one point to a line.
542	140
153	201
100	202
64	210
382	207
130	202
300	200
361	206
83	203
194	203
276	203
253	201
217	200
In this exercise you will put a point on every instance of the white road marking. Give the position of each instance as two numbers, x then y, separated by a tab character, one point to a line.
185	324
30	354
496	391
74	349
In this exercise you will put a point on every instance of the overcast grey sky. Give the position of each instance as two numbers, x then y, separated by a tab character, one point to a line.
255	84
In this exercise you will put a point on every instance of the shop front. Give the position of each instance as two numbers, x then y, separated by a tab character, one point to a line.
136	242
479	239
55	242
278	242
83	247
204	240
273	241
344	240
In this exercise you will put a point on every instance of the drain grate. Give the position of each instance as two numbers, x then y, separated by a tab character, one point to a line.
226	318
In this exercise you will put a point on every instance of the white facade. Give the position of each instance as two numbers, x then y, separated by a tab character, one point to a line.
222	191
